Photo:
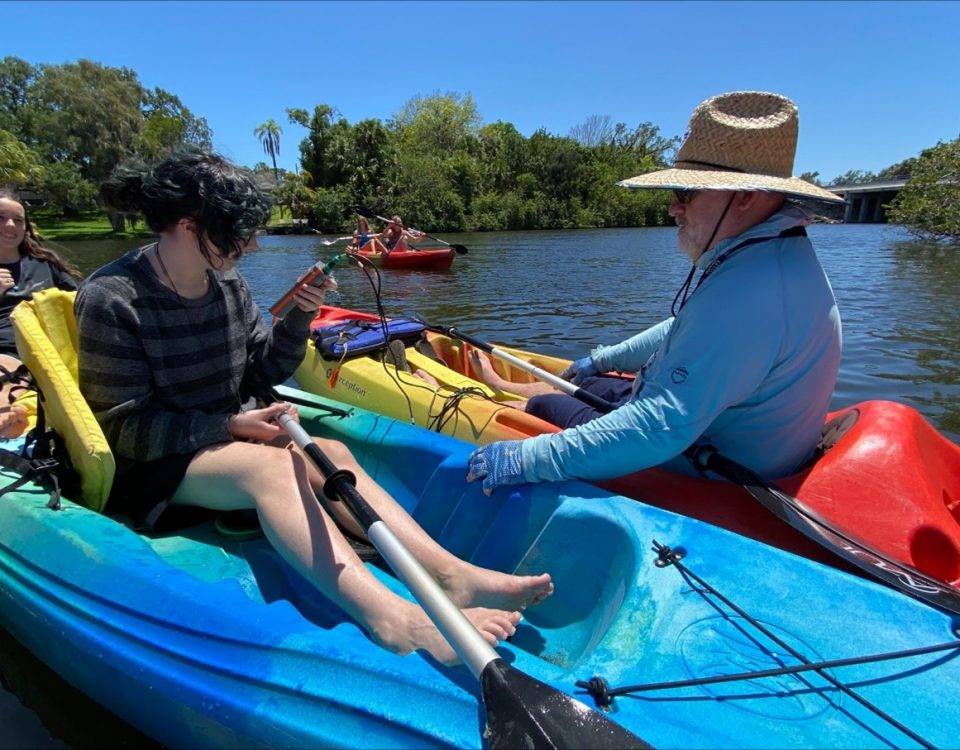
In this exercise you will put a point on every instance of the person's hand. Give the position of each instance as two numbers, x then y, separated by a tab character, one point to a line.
260	424
498	464
13	422
579	370
309	297
6	281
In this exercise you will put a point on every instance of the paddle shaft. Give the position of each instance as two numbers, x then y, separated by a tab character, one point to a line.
460	633
600	404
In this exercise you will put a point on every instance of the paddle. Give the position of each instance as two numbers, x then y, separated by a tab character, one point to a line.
335	240
790	509
559	383
520	710
368	213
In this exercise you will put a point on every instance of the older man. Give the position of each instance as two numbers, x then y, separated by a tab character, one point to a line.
748	359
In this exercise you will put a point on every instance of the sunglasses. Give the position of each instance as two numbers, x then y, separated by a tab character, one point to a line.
684	196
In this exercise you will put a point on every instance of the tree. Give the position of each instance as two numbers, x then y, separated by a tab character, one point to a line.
169	124
929	203
899	171
854	177
812	177
84	113
594	131
16	76
269	135
438	123
18	164
64	187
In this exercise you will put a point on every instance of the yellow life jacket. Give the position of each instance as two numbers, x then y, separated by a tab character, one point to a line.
45	328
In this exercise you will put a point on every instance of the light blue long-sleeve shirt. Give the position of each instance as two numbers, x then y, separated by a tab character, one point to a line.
748	365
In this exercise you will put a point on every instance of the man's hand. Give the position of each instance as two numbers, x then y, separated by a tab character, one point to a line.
579	370
6	281
498	464
261	425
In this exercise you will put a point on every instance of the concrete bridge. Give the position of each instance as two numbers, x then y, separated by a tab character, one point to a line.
867	202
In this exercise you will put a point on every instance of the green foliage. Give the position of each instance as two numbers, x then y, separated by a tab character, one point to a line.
18	164
436	165
81	119
63	186
293	196
812	177
929	203
854	177
899	171
330	209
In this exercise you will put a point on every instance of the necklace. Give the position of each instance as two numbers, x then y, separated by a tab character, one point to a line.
163	267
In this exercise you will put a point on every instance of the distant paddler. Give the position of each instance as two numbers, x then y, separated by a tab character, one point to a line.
748	358
397	238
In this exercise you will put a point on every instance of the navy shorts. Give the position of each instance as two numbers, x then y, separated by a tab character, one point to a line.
566	411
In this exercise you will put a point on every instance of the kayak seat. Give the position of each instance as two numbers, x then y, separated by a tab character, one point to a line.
45	328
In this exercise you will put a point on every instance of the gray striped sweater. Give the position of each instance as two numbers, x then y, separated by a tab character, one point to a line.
164	374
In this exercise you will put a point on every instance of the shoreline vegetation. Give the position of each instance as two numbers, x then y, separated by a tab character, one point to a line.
436	162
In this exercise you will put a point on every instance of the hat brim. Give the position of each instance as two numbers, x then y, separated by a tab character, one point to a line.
695	179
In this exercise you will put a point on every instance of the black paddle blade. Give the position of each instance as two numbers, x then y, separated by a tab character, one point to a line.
523	712
459	249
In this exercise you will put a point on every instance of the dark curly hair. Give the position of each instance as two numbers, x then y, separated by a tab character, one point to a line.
192	184
32	245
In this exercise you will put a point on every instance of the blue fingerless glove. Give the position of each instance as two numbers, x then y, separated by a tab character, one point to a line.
498	464
582	368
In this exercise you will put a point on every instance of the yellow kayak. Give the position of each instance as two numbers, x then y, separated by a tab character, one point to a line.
460	405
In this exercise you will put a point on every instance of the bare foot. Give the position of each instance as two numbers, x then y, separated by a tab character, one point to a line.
481	365
479	587
411	630
426	376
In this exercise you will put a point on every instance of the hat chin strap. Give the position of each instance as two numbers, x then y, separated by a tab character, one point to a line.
684	290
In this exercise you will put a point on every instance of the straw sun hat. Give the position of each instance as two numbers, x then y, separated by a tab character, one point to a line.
745	140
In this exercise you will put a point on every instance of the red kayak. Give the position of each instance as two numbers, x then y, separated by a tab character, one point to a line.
884	474
432	258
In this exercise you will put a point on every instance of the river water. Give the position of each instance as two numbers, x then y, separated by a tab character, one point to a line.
562	292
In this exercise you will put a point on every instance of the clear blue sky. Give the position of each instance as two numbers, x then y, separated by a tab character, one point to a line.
875	82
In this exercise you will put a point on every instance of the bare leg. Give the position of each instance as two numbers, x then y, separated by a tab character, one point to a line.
276	483
466	584
481	364
426	376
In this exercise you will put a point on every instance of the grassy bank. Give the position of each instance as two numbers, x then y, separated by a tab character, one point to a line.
92	226
96	226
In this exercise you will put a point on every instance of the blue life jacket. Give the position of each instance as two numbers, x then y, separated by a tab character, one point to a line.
354	338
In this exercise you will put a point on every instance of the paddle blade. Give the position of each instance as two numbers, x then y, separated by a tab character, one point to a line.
523	712
459	249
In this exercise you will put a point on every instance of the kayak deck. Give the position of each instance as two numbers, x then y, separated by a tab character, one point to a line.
197	640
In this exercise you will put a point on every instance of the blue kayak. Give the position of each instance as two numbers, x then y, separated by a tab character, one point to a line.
201	640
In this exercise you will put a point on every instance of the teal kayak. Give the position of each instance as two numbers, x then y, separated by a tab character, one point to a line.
202	640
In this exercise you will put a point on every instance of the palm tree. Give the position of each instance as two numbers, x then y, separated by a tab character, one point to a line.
269	135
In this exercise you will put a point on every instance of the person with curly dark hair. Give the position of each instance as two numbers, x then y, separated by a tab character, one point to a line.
170	341
26	266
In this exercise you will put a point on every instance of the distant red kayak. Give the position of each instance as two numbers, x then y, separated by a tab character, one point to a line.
432	258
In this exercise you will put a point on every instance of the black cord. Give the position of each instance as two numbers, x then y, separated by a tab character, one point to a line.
603	694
